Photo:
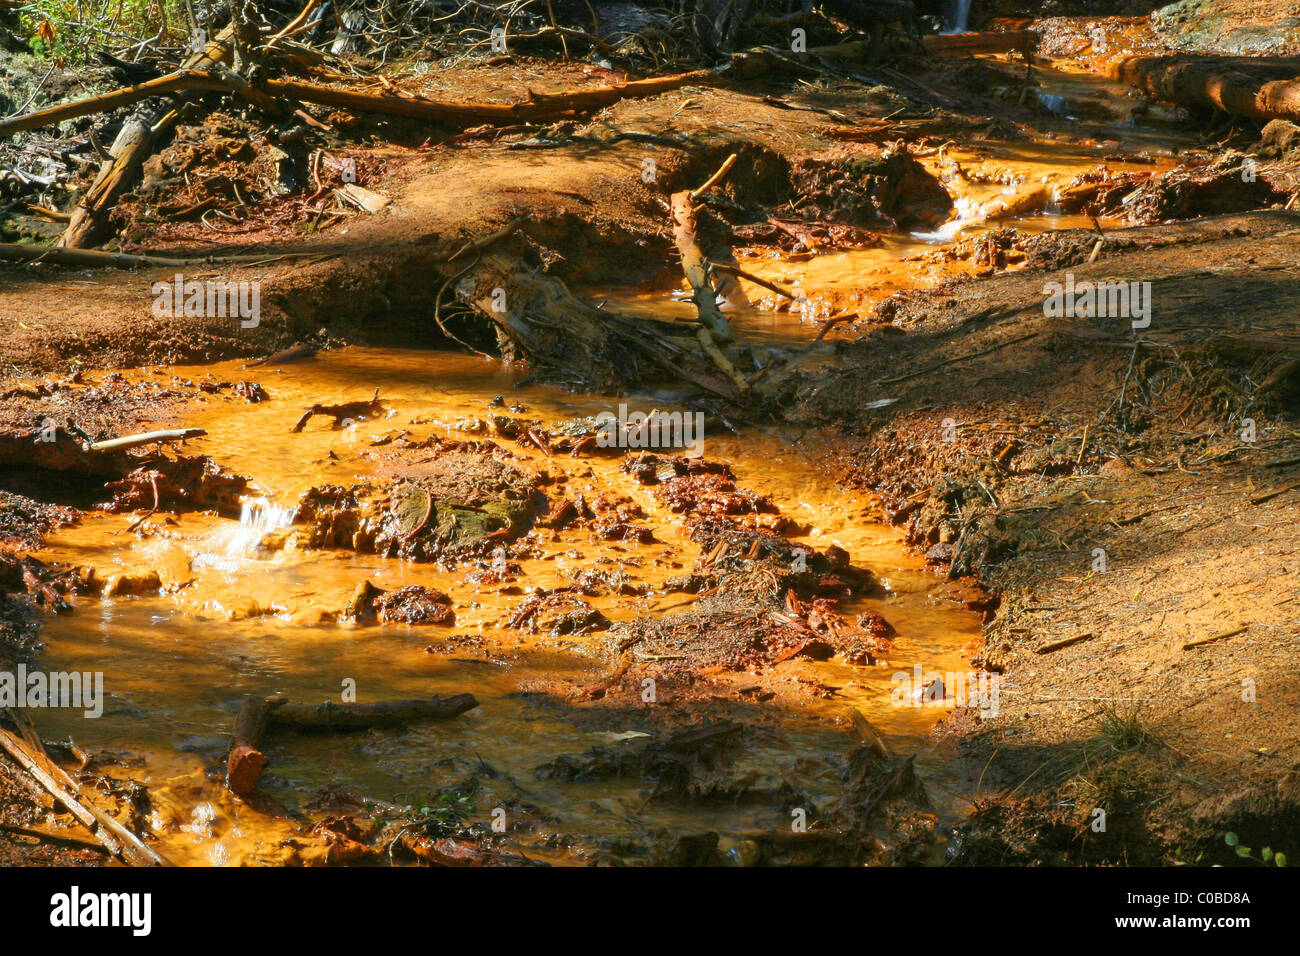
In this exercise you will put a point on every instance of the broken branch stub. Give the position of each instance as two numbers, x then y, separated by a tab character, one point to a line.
696	266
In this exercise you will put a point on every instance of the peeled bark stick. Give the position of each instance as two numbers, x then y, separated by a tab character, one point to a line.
296	25
1066	642
330	716
1233	632
716	178
601	96
246	762
1258	88
132	441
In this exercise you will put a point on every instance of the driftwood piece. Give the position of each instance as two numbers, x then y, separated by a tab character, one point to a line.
1258	87
299	353
146	438
338	717
555	331
117	839
341	411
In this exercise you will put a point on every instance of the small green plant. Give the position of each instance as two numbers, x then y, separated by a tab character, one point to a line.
1180	860
1123	729
440	810
1267	857
70	31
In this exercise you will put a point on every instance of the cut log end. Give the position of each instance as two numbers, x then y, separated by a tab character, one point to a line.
244	769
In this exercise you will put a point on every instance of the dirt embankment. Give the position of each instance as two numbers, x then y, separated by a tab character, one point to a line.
1128	496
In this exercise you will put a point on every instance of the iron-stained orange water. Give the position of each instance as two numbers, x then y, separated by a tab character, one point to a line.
235	619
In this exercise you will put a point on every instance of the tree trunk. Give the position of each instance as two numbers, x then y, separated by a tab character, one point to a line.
1263	88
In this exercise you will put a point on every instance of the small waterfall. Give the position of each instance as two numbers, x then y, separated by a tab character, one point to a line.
262	515
257	517
958	16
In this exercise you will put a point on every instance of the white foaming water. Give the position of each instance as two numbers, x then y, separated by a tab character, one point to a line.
257	517
263	515
958	16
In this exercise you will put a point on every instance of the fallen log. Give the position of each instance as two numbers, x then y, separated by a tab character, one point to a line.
177	82
538	106
960	44
258	715
1258	88
330	716
246	761
753	63
121	260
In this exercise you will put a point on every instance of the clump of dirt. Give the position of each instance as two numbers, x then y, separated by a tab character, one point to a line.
463	500
1279	140
180	483
24	521
695	486
1144	198
28	585
686	764
415	604
887	187
559	611
762	600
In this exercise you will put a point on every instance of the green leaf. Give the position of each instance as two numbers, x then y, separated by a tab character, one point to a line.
1266	853
1230	838
1243	852
1280	859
